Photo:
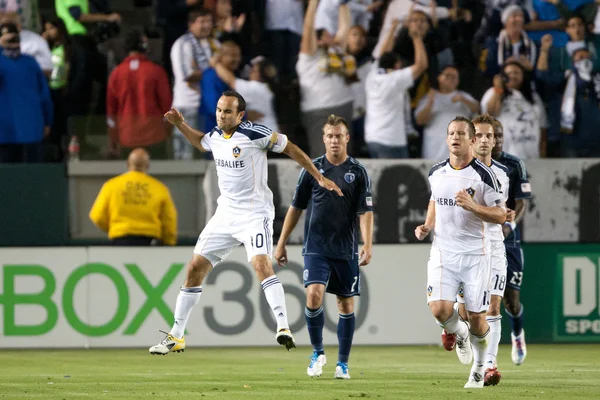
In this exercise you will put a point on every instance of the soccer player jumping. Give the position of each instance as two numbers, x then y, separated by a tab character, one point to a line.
245	210
331	257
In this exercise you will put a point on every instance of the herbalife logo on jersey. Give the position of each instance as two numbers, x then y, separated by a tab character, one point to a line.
577	316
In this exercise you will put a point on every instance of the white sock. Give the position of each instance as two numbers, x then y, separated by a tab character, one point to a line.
186	300
494	339
455	325
276	299
479	345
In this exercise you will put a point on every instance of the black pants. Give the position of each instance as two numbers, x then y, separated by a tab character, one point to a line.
21	153
133	240
87	65
285	46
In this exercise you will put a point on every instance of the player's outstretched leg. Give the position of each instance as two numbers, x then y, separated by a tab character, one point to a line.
188	297
345	334
514	309
275	297
492	375
479	343
315	320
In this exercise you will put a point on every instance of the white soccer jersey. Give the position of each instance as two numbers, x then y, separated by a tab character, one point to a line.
501	172
458	230
241	162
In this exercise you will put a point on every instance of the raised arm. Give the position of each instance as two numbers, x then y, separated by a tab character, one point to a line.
226	75
344	23
192	135
388	45
296	154
308	45
421	64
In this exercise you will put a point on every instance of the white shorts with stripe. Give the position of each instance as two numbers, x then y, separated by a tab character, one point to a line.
448	272
226	231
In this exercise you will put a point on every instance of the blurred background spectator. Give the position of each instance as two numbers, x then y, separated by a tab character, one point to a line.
26	113
138	94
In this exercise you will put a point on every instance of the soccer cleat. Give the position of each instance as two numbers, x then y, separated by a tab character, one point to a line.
341	371
284	337
464	350
475	381
491	377
448	340
519	348
317	362
169	344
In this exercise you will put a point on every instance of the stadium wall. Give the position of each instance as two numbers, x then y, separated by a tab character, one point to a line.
83	297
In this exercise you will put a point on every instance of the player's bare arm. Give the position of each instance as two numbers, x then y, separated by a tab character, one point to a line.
194	136
494	214
366	230
296	154
289	223
422	231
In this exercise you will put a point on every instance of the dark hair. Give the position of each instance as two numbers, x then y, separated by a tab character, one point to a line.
498	124
453	66
579	17
134	41
526	88
241	102
63	34
465	120
388	60
197	13
485	119
335	120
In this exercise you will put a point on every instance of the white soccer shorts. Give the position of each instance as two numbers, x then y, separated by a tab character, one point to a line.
498	271
448	272
225	231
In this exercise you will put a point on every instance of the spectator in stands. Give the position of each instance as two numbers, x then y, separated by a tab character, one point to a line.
579	36
439	107
212	87
439	54
492	25
172	18
401	9
388	119
31	43
284	19
227	26
55	32
587	9
190	57
324	71
87	65
135	208
27	10
138	96
546	19
259	90
512	45
513	101
357	48
579	94
26	112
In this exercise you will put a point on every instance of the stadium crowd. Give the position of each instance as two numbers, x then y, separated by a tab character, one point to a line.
533	64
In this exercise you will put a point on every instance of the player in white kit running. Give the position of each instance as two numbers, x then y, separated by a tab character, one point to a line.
465	194
244	214
482	150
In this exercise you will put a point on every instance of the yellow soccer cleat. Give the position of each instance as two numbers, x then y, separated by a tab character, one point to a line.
169	344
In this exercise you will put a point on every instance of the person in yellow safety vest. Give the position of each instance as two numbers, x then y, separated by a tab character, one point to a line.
135	208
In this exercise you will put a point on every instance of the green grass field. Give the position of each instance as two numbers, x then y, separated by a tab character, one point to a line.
550	372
